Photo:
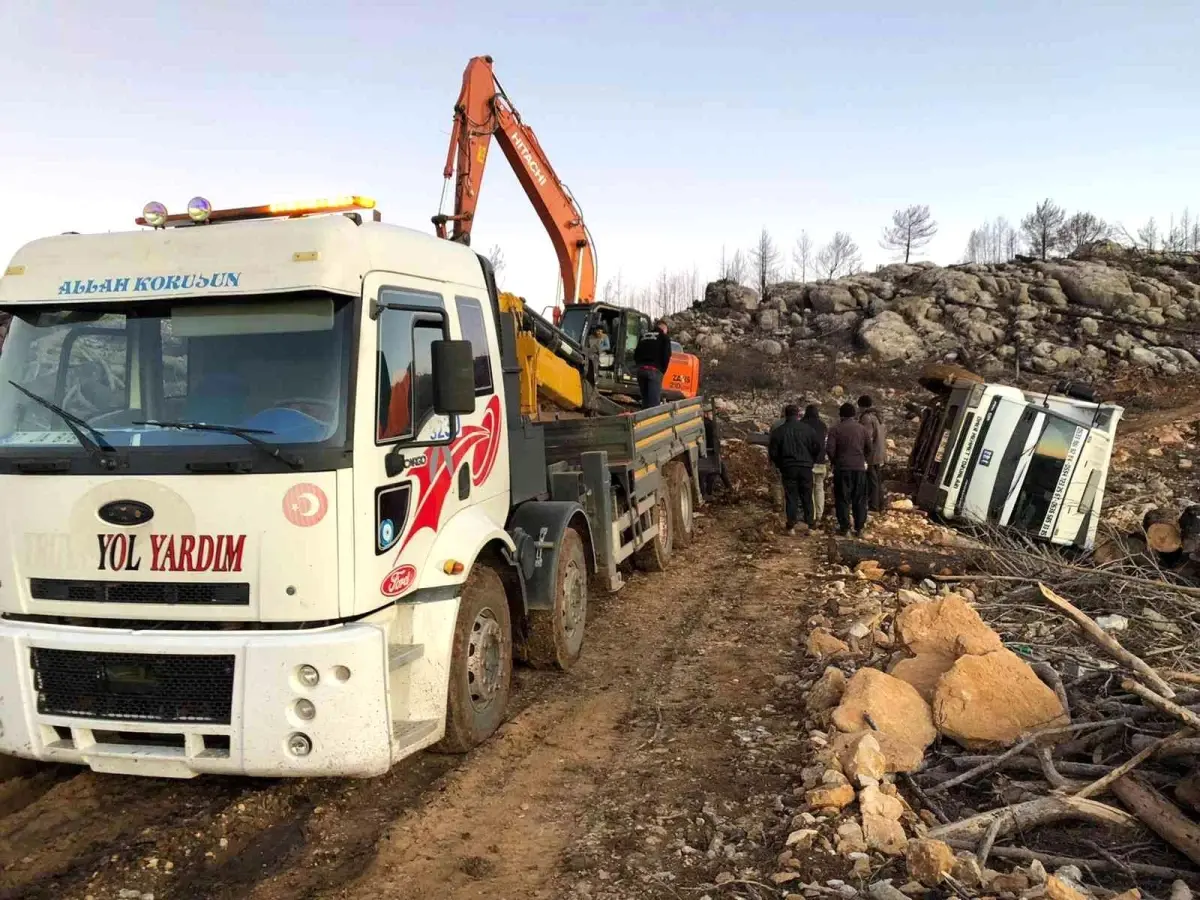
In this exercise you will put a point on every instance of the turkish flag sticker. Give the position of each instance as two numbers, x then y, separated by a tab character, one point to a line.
305	505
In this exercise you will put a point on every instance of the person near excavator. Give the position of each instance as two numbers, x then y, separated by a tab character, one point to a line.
652	356
793	448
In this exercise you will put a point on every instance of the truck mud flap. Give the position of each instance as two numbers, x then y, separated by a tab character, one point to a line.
537	529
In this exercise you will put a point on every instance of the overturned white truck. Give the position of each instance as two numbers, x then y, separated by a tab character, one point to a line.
991	453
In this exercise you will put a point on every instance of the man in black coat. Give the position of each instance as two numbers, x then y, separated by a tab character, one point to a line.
793	448
652	356
849	446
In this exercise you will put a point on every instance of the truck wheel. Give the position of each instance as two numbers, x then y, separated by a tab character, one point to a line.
680	487
480	663
555	636
655	555
941	377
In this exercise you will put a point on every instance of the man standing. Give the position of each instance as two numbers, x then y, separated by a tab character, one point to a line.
849	445
812	418
652	356
793	448
878	431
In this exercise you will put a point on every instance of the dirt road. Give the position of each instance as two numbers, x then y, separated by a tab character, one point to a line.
665	759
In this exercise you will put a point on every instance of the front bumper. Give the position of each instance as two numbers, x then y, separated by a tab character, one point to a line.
350	733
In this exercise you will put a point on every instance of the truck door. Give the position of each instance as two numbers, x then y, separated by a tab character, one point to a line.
415	469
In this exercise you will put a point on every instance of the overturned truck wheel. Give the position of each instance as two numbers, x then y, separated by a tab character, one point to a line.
554	637
942	377
480	663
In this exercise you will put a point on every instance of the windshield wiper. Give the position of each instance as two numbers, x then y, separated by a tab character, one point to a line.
246	434
89	436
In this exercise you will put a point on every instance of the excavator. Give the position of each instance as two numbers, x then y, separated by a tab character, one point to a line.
582	361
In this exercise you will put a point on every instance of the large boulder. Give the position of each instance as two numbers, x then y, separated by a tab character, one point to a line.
889	338
1097	286
726	294
989	701
769	347
768	319
904	721
946	627
831	298
923	671
791	294
711	342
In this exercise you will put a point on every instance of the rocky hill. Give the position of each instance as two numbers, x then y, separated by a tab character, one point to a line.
1106	309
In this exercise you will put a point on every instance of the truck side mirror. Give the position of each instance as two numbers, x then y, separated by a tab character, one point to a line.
453	378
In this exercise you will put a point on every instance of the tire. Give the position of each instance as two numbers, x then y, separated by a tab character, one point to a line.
555	636
480	663
656	555
679	484
941	377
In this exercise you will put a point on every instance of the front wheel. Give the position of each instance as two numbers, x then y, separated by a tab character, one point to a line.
480	665
555	636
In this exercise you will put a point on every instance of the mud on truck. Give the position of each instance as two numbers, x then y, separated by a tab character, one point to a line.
271	506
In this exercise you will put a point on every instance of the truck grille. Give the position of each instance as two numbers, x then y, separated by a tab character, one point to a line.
165	592
151	687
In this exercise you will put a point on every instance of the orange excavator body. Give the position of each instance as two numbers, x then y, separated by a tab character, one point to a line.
484	111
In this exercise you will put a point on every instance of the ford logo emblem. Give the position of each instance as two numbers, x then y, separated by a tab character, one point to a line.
126	512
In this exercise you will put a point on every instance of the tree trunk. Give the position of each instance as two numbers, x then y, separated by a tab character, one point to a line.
1162	530
906	560
1160	815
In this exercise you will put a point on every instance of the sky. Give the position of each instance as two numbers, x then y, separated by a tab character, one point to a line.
682	128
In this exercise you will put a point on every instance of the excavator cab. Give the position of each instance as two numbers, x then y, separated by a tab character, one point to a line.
612	334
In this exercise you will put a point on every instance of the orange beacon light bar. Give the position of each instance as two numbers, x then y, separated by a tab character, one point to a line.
200	212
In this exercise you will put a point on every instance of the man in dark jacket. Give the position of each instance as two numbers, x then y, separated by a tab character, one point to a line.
849	446
871	421
652	356
812	418
793	448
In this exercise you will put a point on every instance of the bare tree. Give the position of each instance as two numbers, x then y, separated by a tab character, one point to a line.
1081	229
1195	238
911	229
839	257
992	242
496	257
764	259
1042	227
1176	238
802	254
1147	236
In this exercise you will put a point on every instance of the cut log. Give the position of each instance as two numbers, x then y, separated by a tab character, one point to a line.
1162	530
1121	548
908	561
1160	815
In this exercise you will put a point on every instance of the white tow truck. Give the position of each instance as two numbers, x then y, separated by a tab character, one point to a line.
992	453
270	506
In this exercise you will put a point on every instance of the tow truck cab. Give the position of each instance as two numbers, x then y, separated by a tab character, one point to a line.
990	453
271	506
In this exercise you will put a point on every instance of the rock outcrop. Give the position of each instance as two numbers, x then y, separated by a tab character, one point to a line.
1111	309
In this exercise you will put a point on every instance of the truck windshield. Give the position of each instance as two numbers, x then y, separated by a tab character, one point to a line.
1036	495
277	367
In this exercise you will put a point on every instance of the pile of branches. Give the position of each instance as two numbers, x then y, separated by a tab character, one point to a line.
1129	759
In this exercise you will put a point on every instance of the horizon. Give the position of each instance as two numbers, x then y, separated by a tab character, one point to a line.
674	135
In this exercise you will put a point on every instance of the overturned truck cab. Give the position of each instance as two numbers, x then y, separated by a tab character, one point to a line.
994	454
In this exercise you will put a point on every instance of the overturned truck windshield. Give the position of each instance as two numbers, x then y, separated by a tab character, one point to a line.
161	387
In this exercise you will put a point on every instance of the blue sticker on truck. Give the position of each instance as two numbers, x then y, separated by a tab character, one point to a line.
149	283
